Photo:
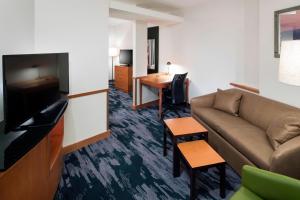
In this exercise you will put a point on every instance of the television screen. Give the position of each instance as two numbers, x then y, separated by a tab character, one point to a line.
125	57
31	83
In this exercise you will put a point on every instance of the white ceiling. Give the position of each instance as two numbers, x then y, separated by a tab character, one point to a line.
129	11
164	5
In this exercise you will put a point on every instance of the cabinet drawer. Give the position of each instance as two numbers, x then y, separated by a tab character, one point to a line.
121	70
123	75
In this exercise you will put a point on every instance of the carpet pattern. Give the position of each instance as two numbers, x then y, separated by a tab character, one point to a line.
129	164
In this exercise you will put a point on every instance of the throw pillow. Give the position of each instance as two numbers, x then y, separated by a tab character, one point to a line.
228	101
284	128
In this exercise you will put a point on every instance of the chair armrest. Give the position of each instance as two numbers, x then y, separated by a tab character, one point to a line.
285	159
269	185
203	101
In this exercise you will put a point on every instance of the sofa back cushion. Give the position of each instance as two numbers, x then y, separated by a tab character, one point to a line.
284	128
228	101
261	111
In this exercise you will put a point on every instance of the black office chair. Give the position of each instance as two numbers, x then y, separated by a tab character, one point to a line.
175	95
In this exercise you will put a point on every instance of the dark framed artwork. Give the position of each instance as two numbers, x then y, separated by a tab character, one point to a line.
287	27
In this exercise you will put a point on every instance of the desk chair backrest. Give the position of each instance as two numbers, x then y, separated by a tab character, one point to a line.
177	88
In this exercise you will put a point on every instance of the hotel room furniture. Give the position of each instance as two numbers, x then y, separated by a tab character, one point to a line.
199	155
181	128
159	81
123	78
259	184
32	161
243	140
175	94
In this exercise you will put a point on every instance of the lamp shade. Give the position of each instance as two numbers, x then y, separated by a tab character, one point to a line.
113	52
289	66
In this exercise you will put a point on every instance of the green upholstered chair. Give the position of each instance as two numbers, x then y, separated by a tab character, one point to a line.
259	184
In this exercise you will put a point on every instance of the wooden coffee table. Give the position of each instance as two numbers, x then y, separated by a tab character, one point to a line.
199	155
181	127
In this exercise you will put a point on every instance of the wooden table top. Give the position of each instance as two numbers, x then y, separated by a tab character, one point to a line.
199	154
157	80
184	126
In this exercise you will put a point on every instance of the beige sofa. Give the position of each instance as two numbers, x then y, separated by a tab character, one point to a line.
242	139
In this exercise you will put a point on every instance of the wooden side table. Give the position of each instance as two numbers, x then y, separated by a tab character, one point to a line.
181	127
199	155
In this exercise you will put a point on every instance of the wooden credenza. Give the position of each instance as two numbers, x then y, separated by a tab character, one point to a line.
123	78
37	174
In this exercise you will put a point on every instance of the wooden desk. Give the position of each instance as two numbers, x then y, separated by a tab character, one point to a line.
159	81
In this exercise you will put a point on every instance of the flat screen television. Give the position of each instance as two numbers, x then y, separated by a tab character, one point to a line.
125	57
31	84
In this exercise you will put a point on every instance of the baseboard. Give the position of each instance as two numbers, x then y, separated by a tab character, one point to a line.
83	143
144	105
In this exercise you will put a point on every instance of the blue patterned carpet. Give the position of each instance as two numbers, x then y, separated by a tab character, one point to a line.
130	165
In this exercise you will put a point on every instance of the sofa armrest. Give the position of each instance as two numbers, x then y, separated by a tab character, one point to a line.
269	185
203	101
285	159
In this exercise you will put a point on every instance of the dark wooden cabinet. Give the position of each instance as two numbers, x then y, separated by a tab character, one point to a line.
123	78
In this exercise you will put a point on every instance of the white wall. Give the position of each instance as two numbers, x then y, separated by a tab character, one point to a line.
269	84
16	32
140	31
251	43
140	49
85	118
233	41
170	48
80	28
120	36
212	43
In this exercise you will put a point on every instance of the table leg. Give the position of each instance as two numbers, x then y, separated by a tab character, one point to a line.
141	93
160	102
222	180
165	140
176	159
192	184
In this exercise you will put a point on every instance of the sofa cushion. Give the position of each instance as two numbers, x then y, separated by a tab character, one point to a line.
284	128
261	111
248	139
228	101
